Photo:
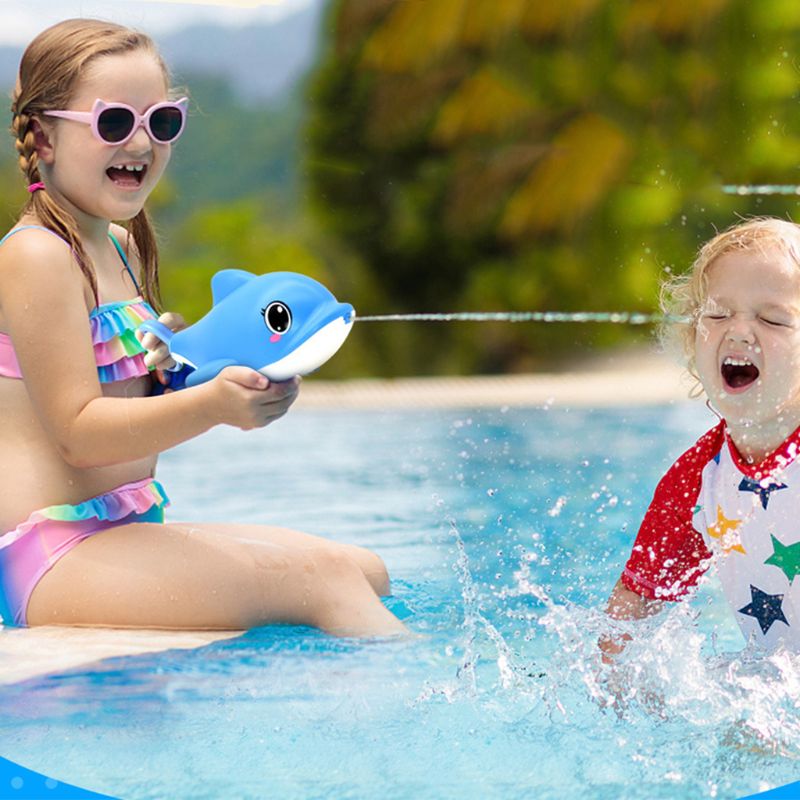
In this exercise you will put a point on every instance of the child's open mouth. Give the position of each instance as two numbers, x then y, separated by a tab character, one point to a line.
128	176
738	373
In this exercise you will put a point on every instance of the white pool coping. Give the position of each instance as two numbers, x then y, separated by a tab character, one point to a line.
30	652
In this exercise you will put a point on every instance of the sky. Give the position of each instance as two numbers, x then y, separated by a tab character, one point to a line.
21	20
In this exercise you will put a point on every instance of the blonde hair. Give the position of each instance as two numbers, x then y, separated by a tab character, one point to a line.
50	69
683	296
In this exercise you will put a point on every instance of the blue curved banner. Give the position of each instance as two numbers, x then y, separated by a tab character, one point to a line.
20	783
789	792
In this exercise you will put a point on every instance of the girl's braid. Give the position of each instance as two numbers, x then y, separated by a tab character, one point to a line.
25	143
40	204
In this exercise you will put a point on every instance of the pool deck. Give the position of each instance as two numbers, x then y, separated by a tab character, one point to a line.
624	378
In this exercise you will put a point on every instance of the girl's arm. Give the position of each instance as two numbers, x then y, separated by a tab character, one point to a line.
44	300
668	531
625	605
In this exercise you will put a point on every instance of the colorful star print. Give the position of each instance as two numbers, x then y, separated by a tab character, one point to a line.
786	557
766	608
724	529
749	485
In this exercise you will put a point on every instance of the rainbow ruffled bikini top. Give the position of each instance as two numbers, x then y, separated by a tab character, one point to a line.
117	351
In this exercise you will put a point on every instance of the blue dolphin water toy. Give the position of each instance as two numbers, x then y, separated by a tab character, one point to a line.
281	324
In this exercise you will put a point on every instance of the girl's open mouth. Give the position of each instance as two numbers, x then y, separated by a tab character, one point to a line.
738	373
129	176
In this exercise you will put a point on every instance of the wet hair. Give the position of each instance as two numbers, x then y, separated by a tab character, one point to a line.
684	295
49	73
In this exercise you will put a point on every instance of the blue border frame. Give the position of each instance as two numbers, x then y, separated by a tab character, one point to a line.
20	783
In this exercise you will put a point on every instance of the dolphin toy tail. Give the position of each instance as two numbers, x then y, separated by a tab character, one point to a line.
158	329
175	376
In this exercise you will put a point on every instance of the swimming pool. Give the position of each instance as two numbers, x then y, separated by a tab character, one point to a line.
504	531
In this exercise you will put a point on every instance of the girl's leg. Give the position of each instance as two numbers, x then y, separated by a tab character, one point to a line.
202	577
371	563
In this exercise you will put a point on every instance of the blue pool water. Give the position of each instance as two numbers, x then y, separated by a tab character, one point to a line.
504	532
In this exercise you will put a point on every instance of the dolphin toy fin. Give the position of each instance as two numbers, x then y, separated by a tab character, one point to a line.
227	281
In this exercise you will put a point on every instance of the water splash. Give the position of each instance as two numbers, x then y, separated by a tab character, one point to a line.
613	317
670	681
513	673
761	189
740	703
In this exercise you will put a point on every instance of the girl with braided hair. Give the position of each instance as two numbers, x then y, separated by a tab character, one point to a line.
82	534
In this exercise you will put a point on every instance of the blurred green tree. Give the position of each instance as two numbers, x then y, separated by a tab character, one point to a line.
520	155
481	155
12	190
232	150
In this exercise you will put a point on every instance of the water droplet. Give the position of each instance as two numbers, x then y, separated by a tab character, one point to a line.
556	509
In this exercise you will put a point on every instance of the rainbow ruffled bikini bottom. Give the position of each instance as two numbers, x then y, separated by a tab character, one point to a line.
34	546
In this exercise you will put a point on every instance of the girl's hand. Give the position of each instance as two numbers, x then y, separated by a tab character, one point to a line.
244	398
157	352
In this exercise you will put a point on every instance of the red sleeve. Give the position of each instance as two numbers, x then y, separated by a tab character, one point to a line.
669	555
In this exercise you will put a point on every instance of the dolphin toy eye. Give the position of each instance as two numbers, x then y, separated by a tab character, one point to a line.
278	317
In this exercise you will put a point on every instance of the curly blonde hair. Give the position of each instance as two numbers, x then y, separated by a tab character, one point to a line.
683	296
50	69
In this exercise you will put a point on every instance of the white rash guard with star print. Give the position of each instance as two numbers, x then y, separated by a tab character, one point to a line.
713	506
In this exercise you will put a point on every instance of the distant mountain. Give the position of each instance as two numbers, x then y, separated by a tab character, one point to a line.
261	61
9	63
